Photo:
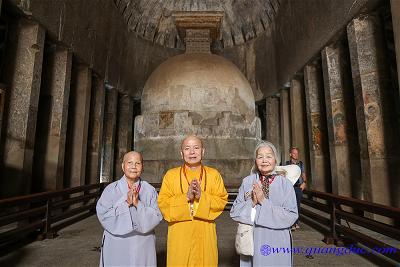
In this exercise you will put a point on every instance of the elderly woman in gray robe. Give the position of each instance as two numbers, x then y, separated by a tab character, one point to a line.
267	201
128	212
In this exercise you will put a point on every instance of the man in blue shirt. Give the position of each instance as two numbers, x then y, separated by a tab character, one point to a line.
301	183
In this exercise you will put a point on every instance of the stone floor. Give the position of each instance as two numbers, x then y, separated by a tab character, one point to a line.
77	245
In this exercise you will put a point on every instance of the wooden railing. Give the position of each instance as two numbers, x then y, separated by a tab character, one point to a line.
43	214
233	190
46	213
333	214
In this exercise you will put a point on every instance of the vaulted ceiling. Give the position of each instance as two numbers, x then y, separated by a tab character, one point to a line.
243	19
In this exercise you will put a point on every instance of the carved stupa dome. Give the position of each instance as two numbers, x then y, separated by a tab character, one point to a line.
199	82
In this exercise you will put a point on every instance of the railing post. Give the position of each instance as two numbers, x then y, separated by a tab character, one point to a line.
100	189
48	232
333	221
331	238
86	192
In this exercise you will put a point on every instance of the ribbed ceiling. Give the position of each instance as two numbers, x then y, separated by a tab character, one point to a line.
243	19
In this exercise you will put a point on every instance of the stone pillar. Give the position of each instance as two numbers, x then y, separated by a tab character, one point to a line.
298	119
95	139
52	122
24	84
285	124
341	121
78	125
2	86
124	131
319	151
395	4
110	119
2	102
272	121
374	94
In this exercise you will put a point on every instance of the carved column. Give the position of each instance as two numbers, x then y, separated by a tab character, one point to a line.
96	122
319	150
285	124
52	122
110	119
272	121
342	130
24	89
124	132
377	134
298	119
78	125
395	4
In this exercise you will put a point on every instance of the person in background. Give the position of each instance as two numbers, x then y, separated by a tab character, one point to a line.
301	183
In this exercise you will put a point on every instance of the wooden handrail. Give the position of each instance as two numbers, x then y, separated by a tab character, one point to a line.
370	224
339	208
332	207
46	213
66	203
22	215
375	208
14	201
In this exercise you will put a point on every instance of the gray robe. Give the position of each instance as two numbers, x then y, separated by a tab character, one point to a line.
128	238
271	227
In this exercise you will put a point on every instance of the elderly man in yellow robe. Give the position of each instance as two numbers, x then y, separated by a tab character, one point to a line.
192	196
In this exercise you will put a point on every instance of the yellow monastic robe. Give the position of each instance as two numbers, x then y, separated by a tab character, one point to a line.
192	241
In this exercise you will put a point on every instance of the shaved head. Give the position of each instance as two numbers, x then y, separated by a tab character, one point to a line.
192	151
132	165
189	138
132	153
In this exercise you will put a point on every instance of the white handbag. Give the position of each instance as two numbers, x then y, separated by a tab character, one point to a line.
244	242
292	172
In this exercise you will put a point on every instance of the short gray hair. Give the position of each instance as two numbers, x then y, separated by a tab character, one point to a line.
260	145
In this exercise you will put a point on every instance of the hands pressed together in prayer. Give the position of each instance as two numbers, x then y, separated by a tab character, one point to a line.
194	190
257	194
133	197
